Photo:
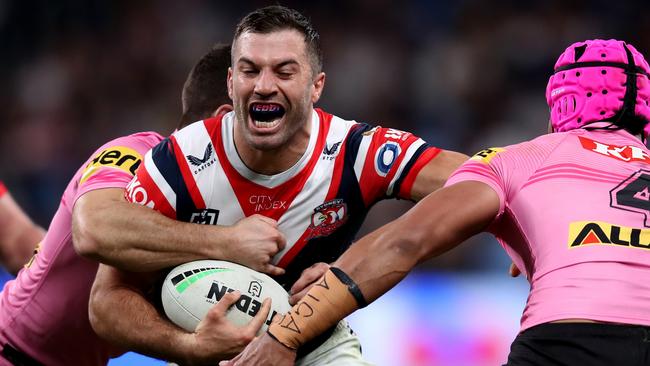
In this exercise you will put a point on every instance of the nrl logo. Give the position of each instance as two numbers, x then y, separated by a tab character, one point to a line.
205	217
204	162
255	289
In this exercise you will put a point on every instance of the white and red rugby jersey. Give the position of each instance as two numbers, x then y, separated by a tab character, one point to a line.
196	175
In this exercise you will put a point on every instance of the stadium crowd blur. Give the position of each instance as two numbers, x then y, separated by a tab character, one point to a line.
464	75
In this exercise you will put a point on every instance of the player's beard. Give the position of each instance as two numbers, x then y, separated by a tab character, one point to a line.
295	118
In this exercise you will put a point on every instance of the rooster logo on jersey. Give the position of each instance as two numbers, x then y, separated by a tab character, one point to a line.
328	217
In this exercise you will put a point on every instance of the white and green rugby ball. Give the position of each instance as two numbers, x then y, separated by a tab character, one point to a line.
191	289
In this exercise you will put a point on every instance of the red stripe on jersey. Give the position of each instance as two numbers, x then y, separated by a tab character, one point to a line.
3	189
337	174
295	249
213	126
423	159
192	188
270	202
153	193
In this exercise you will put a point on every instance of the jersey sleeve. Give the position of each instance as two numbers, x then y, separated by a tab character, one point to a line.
482	168
112	166
387	161
3	189
150	186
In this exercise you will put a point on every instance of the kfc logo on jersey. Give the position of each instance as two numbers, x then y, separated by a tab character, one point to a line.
205	217
328	217
624	153
385	157
136	193
202	163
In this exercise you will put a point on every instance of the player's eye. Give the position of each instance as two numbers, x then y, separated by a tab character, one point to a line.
249	72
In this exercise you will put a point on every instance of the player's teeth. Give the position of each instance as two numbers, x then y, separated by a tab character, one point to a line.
266	124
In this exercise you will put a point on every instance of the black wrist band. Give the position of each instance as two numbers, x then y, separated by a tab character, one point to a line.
352	286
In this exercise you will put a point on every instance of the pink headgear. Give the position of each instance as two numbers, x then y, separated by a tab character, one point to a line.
599	80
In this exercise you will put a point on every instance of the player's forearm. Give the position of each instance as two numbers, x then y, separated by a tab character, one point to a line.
378	261
18	235
122	316
136	238
22	247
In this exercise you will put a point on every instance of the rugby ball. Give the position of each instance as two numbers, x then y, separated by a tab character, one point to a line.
191	289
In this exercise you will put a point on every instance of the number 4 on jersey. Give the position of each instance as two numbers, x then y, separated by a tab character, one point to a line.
633	194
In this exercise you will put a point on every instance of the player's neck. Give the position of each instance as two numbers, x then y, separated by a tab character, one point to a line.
271	162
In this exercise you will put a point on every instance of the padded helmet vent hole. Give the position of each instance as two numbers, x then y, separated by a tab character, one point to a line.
579	51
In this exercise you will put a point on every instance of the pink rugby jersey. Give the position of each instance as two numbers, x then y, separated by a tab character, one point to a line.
574	218
44	311
3	189
196	175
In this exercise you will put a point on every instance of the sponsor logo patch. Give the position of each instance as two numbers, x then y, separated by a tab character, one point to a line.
330	152
207	216
385	157
625	153
328	217
589	233
118	157
136	193
204	162
263	202
487	155
246	304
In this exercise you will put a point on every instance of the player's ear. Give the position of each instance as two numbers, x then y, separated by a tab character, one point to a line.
223	109
230	82
319	84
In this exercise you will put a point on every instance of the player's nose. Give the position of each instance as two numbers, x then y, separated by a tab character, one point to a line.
266	83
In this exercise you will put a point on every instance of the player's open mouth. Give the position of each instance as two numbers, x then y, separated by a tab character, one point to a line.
266	115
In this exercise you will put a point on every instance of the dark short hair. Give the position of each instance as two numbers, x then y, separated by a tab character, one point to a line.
275	18
206	86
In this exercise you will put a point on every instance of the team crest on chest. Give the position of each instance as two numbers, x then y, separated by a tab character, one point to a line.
328	217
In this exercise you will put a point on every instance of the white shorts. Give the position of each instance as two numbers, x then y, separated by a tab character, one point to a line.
341	348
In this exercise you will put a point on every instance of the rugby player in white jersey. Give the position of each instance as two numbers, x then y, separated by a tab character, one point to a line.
309	173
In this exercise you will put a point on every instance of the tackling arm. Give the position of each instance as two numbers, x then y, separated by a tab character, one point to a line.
132	237
435	173
376	263
18	235
120	313
109	229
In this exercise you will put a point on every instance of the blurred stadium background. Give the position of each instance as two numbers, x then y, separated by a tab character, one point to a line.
462	74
